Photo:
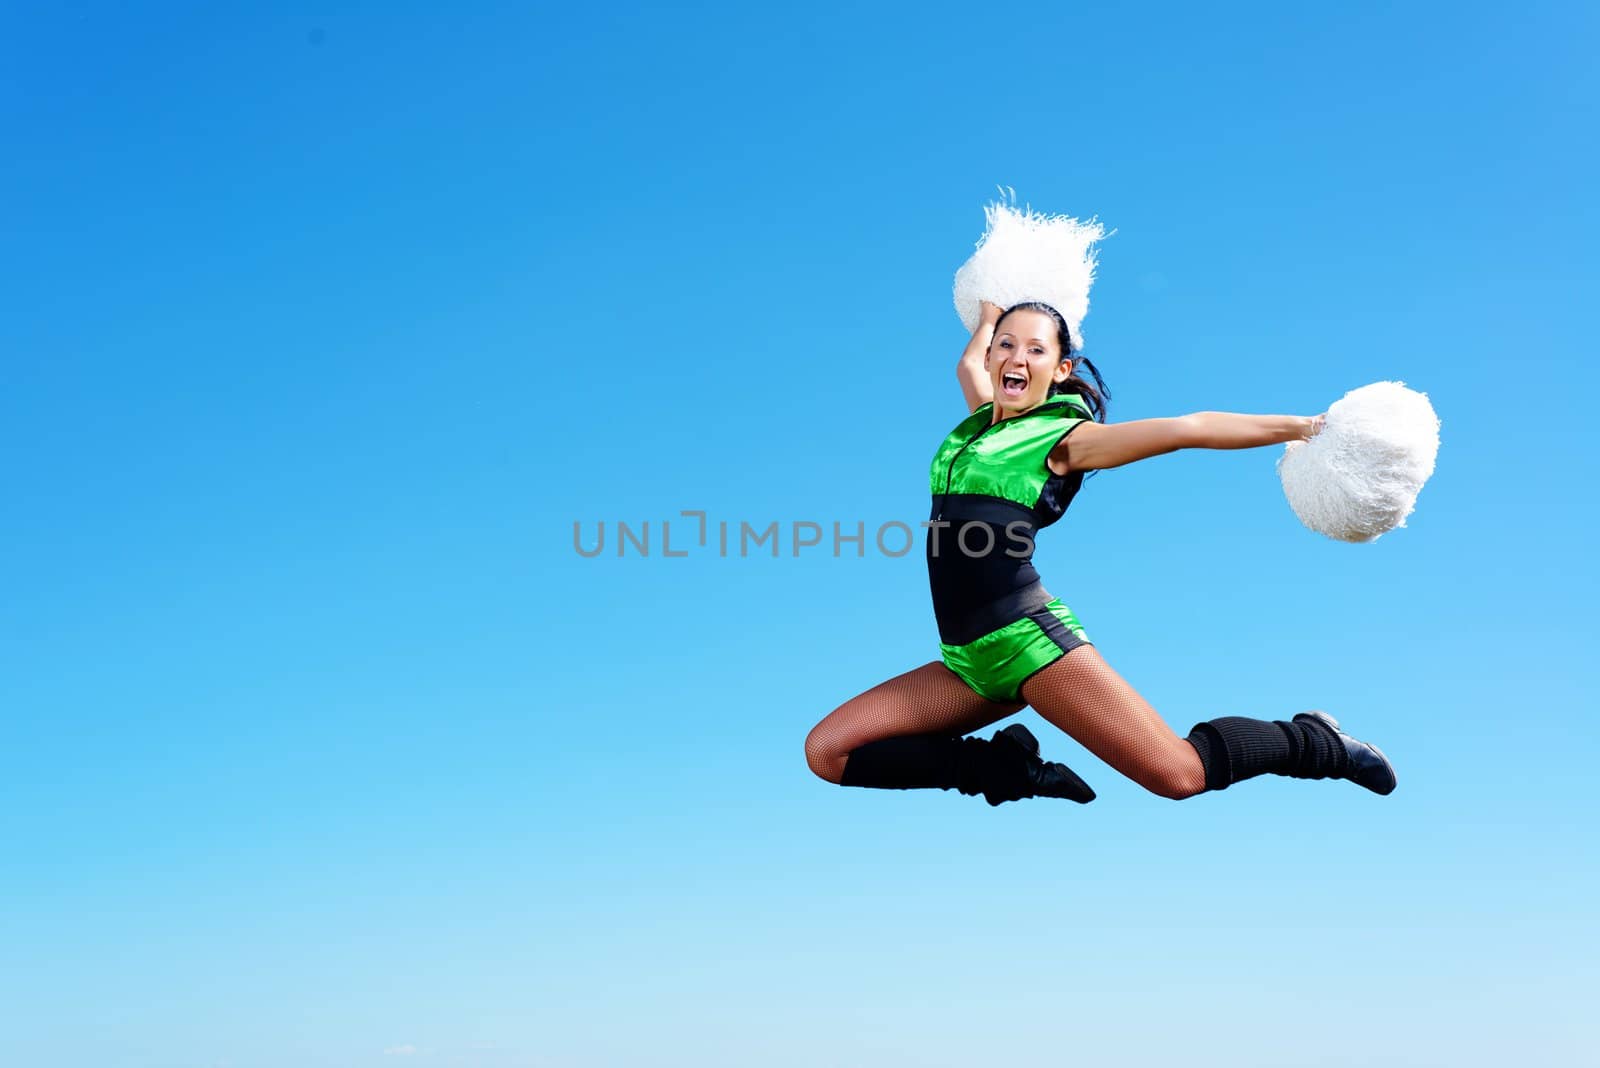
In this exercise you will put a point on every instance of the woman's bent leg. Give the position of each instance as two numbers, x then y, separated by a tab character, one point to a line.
906	734
928	700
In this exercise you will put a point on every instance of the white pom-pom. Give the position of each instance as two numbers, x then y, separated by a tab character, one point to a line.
1024	255
1359	477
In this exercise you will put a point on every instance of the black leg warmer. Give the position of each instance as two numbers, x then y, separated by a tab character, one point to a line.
1234	748
919	761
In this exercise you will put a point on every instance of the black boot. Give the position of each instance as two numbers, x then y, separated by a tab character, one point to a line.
1005	768
1365	765
1311	746
1046	778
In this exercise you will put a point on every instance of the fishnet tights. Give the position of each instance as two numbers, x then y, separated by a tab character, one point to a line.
925	700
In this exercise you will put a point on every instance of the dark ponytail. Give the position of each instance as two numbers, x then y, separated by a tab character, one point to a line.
1095	394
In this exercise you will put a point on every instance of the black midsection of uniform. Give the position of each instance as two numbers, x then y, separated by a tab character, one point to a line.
980	565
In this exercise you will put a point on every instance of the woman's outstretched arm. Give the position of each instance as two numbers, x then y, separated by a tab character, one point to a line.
970	372
1092	446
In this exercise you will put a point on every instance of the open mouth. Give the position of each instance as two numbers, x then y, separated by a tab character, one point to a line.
1012	384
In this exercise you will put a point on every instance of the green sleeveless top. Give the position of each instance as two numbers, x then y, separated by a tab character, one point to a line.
1006	460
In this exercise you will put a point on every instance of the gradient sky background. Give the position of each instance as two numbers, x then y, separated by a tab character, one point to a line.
322	746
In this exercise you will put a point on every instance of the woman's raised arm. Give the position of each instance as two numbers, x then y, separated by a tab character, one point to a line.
1094	446
976	385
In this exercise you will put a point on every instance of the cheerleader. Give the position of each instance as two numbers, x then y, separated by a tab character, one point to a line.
1006	472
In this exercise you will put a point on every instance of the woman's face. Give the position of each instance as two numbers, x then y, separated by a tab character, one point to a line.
1024	359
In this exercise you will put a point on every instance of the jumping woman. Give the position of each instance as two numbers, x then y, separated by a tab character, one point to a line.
1006	472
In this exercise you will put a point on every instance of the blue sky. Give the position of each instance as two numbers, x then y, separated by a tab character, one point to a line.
323	747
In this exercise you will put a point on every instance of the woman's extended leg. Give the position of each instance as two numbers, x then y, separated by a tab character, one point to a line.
906	734
1084	696
1081	694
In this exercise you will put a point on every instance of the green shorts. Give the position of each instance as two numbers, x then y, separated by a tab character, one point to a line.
997	664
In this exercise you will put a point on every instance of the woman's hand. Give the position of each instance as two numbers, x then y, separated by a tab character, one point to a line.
1314	426
989	313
